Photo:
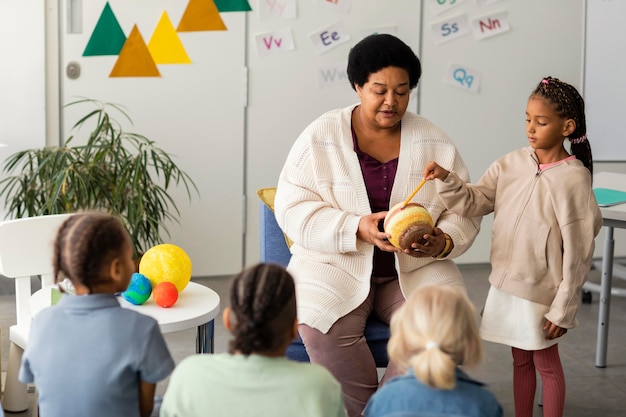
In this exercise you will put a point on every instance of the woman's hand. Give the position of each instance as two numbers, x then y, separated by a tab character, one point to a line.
431	245
553	331
434	170
368	232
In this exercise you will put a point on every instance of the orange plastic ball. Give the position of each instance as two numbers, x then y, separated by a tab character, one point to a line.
166	262
165	294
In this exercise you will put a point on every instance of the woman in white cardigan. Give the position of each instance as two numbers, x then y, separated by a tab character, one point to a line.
341	176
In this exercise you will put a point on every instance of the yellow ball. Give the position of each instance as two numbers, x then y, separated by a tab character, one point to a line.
166	262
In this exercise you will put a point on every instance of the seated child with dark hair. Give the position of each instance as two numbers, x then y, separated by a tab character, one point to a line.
433	333
87	355
254	377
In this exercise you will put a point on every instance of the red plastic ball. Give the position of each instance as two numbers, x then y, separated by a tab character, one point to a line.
165	294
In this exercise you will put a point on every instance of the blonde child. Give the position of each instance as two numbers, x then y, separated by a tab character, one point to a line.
255	378
87	355
545	220
433	333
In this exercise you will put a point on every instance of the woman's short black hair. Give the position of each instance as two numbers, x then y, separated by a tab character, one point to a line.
379	51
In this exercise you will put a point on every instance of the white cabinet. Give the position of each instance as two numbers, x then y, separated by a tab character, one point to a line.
194	111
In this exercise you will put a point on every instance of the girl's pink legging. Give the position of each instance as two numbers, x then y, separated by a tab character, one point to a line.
344	351
548	363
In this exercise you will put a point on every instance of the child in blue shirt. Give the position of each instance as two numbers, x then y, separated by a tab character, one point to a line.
87	355
433	333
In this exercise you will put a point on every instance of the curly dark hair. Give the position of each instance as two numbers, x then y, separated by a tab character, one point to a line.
379	51
263	305
569	104
85	244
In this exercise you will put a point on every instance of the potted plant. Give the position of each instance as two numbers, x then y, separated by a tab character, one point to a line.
112	170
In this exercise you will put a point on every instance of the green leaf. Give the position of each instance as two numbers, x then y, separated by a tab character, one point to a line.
110	169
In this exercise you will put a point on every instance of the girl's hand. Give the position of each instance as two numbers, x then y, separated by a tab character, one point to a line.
434	170
146	398
430	245
553	331
368	232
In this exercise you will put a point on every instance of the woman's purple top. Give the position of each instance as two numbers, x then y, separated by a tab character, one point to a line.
378	177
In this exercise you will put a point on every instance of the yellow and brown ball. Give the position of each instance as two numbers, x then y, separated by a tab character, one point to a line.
407	224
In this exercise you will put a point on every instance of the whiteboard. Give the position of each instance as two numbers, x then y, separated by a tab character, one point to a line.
284	94
604	86
545	38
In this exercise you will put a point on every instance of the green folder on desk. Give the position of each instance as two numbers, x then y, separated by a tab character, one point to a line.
55	296
607	197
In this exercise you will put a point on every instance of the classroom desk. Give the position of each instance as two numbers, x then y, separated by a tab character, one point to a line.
612	217
196	307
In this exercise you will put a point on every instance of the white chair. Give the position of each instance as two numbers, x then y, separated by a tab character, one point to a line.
26	250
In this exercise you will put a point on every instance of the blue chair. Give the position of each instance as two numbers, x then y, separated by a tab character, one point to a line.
274	250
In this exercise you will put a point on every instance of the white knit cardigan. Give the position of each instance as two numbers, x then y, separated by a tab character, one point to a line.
321	197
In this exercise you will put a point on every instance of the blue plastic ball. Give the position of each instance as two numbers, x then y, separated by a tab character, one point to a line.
138	290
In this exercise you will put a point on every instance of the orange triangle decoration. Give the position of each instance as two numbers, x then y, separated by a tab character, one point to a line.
165	45
135	59
201	15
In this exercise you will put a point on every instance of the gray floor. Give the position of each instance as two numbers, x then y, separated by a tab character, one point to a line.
591	391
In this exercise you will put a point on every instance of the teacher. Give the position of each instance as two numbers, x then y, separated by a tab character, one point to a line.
341	176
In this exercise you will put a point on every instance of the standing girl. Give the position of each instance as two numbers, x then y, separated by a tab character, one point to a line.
87	355
545	220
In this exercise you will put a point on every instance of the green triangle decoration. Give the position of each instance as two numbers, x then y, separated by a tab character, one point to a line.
107	37
233	5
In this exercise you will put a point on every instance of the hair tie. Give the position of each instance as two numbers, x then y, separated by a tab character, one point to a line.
578	140
544	81
431	345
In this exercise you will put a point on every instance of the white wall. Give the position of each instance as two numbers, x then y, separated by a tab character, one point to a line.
195	112
192	111
490	123
484	126
22	77
284	96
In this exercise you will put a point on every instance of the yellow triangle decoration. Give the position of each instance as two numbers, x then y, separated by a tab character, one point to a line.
165	45
134	59
201	15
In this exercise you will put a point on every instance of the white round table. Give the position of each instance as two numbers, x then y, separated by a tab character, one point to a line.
197	306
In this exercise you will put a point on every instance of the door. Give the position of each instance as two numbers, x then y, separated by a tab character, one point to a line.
193	108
